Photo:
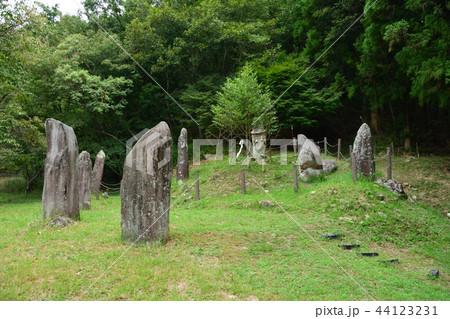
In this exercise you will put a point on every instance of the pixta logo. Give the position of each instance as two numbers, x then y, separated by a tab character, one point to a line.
255	149
149	145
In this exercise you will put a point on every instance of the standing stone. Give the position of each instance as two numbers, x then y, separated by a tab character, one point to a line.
183	156
84	179
145	188
300	141
362	147
258	148
60	194
97	173
309	156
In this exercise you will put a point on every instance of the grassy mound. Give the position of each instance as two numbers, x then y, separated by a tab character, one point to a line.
227	246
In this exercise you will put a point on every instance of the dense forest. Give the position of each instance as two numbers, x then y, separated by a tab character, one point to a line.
120	66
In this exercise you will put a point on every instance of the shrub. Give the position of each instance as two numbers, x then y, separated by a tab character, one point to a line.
13	184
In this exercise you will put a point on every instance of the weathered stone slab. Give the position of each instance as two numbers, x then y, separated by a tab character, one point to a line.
362	147
60	194
309	156
145	188
183	156
97	173
84	179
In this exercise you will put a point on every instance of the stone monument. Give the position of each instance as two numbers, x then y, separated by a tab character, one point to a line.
97	173
84	179
362	147
183	157
60	194
145	188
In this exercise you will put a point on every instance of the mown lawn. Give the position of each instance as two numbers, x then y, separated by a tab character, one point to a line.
227	247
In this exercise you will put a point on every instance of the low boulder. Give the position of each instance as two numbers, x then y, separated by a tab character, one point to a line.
393	186
329	166
61	222
309	156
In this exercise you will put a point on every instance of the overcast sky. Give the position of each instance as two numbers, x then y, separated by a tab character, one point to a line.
65	6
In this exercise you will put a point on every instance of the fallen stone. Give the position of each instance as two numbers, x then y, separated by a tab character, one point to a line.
362	147
60	196
145	188
61	222
393	186
368	254
329	166
265	203
434	273
389	261
332	236
349	246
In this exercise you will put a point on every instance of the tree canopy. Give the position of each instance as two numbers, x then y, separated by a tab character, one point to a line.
107	73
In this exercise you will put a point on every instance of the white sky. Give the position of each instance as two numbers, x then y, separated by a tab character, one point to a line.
65	6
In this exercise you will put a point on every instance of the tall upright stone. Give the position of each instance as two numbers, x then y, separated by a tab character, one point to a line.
60	194
97	173
145	188
84	179
183	156
362	147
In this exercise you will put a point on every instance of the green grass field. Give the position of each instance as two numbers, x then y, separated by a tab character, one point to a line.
227	247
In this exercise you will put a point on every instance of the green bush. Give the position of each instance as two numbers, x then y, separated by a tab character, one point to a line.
13	184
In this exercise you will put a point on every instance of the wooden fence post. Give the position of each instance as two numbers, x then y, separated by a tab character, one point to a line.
339	149
243	181
294	171
197	187
389	164
354	170
325	148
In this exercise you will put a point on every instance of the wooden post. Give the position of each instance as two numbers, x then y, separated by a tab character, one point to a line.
243	181
325	148
294	143
389	164
350	150
294	171
197	187
339	149
354	170
393	150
